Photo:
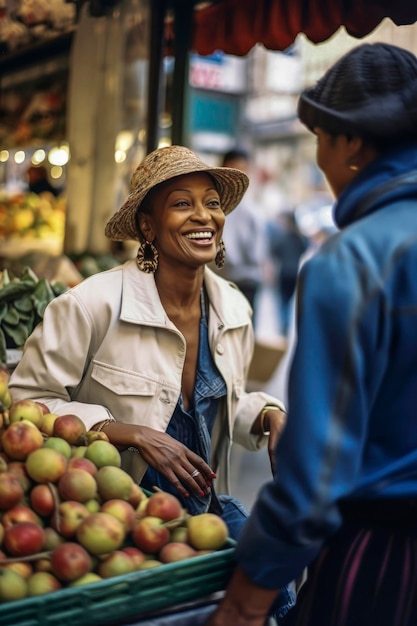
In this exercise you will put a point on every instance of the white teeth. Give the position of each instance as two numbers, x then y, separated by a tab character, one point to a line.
204	235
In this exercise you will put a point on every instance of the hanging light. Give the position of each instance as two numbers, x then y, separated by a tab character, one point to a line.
4	156
19	156
38	156
59	155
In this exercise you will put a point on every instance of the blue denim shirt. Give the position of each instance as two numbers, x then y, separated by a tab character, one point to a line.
193	427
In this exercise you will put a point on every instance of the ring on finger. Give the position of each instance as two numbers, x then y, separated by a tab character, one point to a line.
194	473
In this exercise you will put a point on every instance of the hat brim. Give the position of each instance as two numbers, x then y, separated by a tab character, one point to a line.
230	183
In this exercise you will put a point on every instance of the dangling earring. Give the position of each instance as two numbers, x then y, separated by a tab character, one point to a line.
221	255
147	257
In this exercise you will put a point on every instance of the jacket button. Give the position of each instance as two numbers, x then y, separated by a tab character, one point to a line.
219	349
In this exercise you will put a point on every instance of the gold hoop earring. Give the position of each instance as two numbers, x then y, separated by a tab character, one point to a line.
221	255
147	257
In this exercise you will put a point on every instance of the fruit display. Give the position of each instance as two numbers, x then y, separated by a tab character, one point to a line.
70	515
31	215
23	300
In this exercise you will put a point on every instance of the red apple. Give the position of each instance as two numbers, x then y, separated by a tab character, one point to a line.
46	465
71	428
40	583
150	535
137	556
176	551
43	499
69	516
100	533
77	484
20	439
43	407
23	539
80	462
121	510
11	490
69	561
26	410
165	506
20	513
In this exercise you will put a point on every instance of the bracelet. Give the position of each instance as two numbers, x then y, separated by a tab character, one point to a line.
268	407
99	427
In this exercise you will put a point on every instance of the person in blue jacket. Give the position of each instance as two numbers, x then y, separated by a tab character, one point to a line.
343	502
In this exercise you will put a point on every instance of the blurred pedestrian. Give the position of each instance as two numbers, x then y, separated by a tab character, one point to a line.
244	238
344	498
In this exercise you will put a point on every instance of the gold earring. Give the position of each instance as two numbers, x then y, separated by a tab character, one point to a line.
354	168
147	257
221	255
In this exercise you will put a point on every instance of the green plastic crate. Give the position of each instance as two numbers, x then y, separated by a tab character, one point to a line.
125	597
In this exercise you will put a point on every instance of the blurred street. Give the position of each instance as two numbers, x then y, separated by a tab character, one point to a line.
250	470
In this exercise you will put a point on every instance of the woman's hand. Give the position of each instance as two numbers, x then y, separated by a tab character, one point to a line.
185	470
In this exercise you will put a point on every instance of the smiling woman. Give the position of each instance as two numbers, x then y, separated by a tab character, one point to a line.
160	348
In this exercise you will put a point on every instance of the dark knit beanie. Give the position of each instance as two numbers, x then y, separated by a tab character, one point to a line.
371	91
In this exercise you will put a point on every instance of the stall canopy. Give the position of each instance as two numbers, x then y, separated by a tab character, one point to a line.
235	26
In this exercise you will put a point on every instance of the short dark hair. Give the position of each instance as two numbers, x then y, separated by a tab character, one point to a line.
235	153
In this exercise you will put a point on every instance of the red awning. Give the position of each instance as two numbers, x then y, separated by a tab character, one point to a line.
235	26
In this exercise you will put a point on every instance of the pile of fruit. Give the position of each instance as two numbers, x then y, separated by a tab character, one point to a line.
70	515
29	215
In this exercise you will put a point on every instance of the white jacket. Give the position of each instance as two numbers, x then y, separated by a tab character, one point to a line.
106	348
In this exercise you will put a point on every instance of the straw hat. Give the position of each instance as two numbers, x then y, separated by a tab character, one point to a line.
162	165
371	91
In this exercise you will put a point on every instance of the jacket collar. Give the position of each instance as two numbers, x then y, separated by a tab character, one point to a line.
141	303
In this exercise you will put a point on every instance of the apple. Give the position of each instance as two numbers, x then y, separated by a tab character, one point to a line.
46	465
150	535
41	583
176	551
43	499
24	569
115	564
52	538
42	565
100	533
141	508
20	513
71	428
69	561
19	468
77	484
150	564
81	462
4	381
23	539
47	424
11	490
68	517
78	451
165	506
43	407
113	482
12	585
87	579
103	453
136	495
137	556
93	435
179	534
26	410
121	510
60	445
206	531
20	439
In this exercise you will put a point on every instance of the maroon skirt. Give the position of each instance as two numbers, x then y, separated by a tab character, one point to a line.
367	573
